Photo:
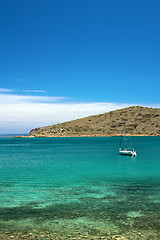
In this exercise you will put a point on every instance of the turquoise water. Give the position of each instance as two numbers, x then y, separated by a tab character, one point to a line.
79	187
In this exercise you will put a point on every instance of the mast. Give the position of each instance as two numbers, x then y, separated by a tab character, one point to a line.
125	134
120	141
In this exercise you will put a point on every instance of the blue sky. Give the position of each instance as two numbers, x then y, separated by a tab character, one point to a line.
69	59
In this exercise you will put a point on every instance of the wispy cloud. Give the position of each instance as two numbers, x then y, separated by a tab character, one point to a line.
20	80
33	91
19	99
6	90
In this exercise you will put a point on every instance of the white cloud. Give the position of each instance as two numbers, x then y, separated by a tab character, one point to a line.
21	113
22	117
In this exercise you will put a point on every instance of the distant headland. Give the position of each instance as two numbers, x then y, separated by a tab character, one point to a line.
141	121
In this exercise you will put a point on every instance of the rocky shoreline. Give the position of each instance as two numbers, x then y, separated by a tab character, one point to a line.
95	135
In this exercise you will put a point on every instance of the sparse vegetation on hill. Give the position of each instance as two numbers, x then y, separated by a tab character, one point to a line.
140	121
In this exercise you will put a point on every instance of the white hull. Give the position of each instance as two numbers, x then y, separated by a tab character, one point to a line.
127	152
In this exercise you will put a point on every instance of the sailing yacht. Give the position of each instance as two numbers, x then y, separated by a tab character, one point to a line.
126	151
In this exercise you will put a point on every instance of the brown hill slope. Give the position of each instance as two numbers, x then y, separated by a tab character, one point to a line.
140	121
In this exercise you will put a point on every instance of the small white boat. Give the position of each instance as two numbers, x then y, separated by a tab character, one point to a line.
126	151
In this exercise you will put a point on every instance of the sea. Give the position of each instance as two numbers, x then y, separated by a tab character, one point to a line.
79	188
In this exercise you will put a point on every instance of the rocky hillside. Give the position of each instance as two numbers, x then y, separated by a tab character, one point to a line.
140	121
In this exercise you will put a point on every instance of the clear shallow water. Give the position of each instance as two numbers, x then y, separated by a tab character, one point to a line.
76	187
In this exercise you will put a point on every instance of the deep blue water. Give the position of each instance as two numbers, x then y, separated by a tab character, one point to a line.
80	187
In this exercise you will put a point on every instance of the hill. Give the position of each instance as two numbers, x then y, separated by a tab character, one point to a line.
140	121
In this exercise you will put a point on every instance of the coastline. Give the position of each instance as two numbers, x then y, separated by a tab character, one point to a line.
82	135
